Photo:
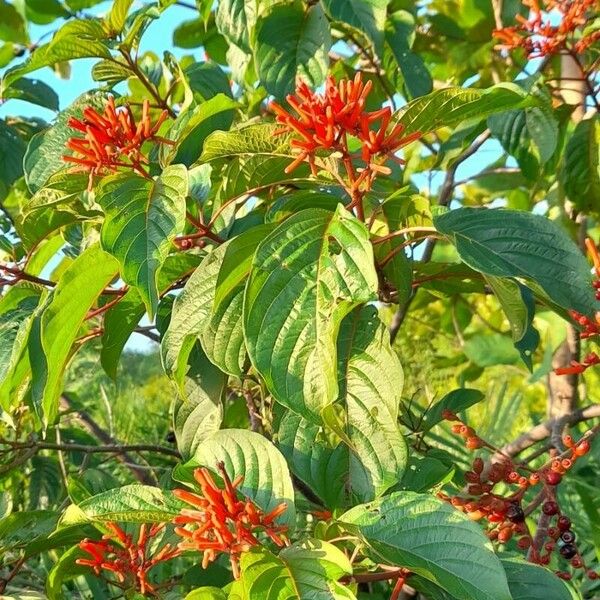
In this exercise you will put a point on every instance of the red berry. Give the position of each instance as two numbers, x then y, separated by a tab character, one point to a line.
524	542
513	476
544	560
549	546
577	563
534	479
553	478
505	534
475	489
563	523
556	466
582	448
566	463
478	465
448	415
568	441
550	507
473	443
456	428
472	477
568	551
563	575
515	513
568	537
592	574
553	532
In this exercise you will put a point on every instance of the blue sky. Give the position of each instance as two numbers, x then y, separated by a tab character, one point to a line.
158	39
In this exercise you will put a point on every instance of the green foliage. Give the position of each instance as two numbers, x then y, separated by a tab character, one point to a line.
343	293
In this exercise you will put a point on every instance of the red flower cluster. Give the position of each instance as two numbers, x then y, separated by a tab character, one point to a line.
505	512
325	121
590	327
538	37
112	139
221	523
130	561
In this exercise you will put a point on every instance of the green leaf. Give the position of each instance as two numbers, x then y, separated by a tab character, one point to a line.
17	307
46	149
193	126
110	72
308	569
190	314
56	328
12	150
320	464
235	19
223	335
306	277
118	15
528	581
368	16
508	243
198	410
12	26
206	593
370	381
142	218
455	401
43	12
207	80
580	173
79	38
489	349
122	319
450	107
398	35
20	528
63	570
267	480
292	41
433	540
130	503
33	91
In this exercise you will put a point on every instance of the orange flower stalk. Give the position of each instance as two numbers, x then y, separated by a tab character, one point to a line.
590	327
539	37
130	561
112	139
222	523
324	122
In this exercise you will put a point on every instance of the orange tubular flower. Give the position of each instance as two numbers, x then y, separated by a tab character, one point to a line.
112	139
221	523
539	37
324	122
117	553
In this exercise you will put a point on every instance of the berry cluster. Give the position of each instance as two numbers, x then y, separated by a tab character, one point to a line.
222	523
327	121
589	327
539	37
112	139
129	560
496	493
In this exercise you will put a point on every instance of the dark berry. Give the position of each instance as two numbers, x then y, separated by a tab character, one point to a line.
553	478
515	513
550	508
563	523
568	537
568	551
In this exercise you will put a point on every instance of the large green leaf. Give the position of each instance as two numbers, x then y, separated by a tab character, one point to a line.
321	465
399	34
198	408
528	581
235	19
370	382
56	328
79	38
130	503
433	540
451	106
121	320
581	165
17	307
223	336
508	243
267	480
12	150
292	41
33	91
190	314
46	149
306	570
142	218
368	16
306	277
12	25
